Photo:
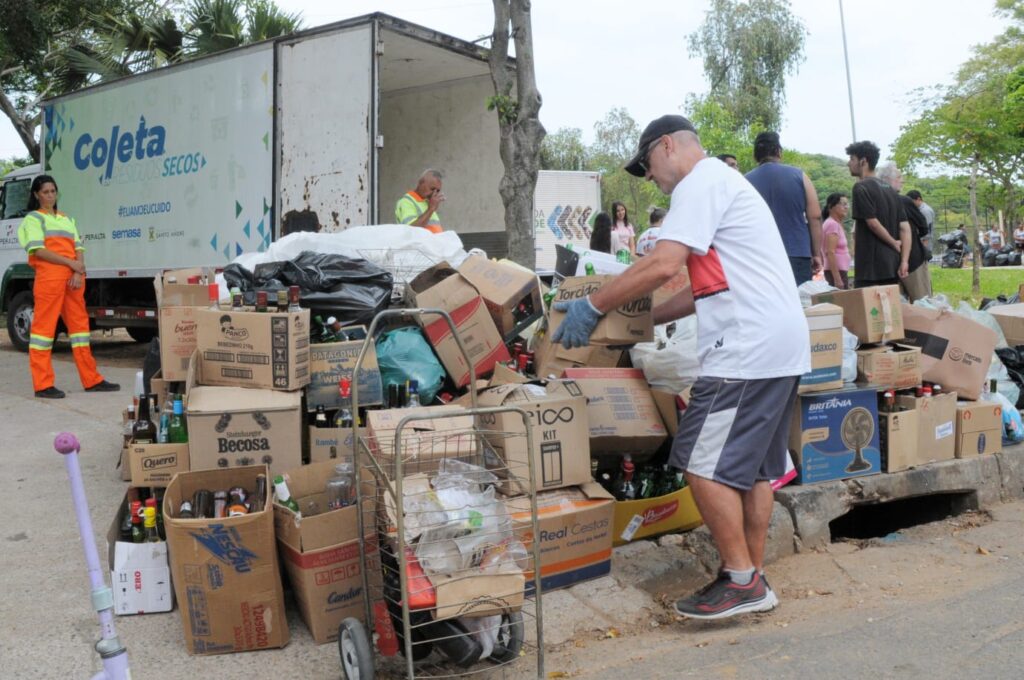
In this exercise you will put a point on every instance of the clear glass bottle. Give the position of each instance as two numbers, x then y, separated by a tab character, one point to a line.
341	488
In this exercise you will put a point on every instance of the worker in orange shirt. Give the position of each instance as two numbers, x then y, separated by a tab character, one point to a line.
418	208
55	252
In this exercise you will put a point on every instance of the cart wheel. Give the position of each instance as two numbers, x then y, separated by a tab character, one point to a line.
510	638
354	648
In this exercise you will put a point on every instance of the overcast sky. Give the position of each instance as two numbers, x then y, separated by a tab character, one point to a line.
593	55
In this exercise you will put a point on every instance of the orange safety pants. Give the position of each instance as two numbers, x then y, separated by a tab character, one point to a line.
53	299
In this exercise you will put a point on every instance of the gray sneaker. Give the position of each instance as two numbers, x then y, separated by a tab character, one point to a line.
772	600
722	598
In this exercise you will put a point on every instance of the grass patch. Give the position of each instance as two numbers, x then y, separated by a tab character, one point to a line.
956	283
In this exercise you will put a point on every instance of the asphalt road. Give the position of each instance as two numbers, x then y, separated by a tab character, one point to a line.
936	601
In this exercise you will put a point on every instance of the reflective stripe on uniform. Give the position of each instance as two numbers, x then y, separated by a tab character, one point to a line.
415	205
79	339
40	342
33	245
59	233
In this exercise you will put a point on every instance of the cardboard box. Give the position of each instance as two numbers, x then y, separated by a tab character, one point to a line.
834	435
512	294
320	551
676	511
670	406
575	526
161	387
330	362
558	422
1011	321
552	359
898	440
825	322
621	410
225	571
254	349
629	324
332	443
177	304
140	577
234	426
936	425
156	464
897	366
955	351
441	287
873	314
448	433
979	428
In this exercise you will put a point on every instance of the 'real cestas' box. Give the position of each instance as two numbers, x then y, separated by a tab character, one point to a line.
254	349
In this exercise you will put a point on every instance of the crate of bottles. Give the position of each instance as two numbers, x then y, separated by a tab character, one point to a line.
650	500
316	522
137	555
224	565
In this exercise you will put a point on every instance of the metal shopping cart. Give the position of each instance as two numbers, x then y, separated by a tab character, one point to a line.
446	571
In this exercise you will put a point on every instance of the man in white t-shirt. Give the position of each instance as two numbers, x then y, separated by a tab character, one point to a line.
752	344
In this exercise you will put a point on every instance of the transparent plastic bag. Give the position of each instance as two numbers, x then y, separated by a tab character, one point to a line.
484	630
670	363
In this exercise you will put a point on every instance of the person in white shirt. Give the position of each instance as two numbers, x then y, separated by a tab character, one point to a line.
752	344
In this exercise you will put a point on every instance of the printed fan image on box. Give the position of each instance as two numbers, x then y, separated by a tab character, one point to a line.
835	435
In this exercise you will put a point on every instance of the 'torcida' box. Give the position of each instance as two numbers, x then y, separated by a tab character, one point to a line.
560	430
329	362
896	365
235	426
834	435
254	349
575	526
320	550
140	577
936	425
631	323
621	411
873	314
225	571
825	322
441	287
512	294
979	428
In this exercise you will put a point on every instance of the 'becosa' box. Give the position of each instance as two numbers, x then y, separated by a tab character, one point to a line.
254	349
834	435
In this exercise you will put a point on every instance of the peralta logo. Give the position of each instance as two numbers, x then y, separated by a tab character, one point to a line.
829	404
226	545
230	332
122	147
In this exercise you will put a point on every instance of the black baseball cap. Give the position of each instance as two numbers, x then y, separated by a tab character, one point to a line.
656	129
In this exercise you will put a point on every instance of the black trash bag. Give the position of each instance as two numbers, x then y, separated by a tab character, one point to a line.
989	258
1002	259
1007	249
151	363
1013	360
1002	299
1014	260
352	290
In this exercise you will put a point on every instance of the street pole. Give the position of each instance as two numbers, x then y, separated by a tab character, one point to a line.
846	58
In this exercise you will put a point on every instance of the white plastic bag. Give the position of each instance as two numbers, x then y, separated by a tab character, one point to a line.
850	343
670	363
808	289
484	629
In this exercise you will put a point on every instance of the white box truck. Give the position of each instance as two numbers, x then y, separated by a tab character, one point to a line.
565	203
193	164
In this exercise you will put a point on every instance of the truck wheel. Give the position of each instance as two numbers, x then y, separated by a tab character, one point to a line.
19	320
141	333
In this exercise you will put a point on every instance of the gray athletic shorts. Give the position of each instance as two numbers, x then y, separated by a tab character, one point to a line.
736	431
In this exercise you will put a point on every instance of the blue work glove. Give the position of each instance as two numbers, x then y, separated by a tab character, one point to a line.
580	318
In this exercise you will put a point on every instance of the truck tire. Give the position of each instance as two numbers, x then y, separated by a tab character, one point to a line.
141	333
19	320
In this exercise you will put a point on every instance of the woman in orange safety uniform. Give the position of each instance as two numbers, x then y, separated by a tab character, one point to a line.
55	252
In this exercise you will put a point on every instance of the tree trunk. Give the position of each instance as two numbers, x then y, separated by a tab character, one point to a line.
21	125
976	274
518	105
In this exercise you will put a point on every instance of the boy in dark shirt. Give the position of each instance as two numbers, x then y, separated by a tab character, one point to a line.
882	240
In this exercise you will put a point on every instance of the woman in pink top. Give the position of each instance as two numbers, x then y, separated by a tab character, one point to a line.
835	253
622	229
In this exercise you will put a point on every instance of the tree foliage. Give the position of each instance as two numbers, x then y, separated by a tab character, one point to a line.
564	149
748	49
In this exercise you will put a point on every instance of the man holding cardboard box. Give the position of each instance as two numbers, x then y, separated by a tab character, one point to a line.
752	345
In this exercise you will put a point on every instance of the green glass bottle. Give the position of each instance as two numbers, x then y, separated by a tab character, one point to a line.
177	429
